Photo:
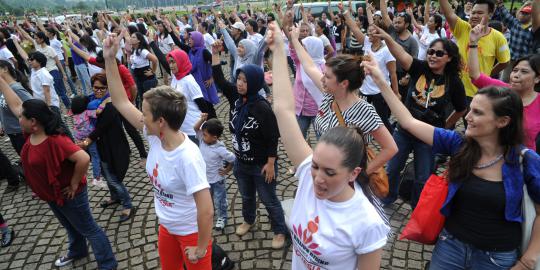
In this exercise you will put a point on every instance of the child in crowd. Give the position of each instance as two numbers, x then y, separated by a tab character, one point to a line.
84	122
215	154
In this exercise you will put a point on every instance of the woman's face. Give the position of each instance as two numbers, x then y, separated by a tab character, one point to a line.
431	24
304	31
173	66
438	62
523	77
241	50
482	120
134	41
318	30
160	28
329	81
241	84
323	17
39	40
26	124
34	64
191	42
100	90
152	127
330	178
372	38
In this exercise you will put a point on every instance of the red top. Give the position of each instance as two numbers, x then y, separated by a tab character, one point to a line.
125	76
47	168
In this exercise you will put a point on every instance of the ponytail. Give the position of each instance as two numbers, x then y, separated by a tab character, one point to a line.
17	75
47	118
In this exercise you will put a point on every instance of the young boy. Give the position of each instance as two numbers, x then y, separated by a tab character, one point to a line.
215	154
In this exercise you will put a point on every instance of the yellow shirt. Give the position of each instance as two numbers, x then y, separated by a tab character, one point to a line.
490	48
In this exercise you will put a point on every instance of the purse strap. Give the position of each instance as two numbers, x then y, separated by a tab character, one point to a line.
337	111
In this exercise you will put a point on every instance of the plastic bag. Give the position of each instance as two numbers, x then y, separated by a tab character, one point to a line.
426	220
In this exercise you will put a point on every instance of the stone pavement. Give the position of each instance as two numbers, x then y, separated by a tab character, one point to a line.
40	239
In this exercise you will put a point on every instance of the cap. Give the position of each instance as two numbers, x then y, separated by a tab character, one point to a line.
239	26
377	13
526	9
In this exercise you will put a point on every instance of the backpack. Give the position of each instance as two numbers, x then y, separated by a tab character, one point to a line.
220	260
406	182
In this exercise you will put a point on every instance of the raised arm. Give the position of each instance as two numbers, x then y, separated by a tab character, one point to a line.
229	42
355	30
13	101
419	129
307	63
384	12
21	51
413	20
114	82
473	64
448	13
427	10
402	57
331	12
295	145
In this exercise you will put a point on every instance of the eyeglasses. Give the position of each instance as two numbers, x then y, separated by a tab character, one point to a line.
438	53
100	89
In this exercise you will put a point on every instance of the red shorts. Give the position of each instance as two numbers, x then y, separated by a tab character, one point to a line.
172	254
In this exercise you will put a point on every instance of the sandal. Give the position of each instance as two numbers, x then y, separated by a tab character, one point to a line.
108	203
124	217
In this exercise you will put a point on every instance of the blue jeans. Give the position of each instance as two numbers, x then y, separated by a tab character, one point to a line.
96	162
452	254
219	195
76	217
251	182
423	165
304	122
84	77
70	82
118	190
143	84
60	88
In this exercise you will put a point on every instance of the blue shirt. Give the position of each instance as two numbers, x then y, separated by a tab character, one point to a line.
77	60
449	142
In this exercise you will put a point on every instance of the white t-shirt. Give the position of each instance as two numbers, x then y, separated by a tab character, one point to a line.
38	79
92	70
383	57
175	176
208	41
325	40
191	90
50	53
139	61
165	44
256	38
331	235
425	39
58	48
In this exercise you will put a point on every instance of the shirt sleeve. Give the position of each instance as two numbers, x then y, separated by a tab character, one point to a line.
446	142
372	238
502	50
144	53
44	79
532	175
65	145
461	29
418	67
225	154
194	173
389	57
192	91
484	81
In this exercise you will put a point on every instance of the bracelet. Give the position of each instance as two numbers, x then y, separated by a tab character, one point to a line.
473	46
526	266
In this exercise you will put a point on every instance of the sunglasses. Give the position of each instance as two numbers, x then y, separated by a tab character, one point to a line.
438	53
100	89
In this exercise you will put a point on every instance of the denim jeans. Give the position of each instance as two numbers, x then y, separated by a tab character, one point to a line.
76	217
219	195
60	87
252	182
84	77
452	254
304	122
70	82
143	84
423	165
96	161
118	190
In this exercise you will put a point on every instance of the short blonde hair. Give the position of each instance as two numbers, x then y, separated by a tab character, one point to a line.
165	102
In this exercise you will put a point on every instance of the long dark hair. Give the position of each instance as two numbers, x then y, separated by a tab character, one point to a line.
452	68
89	43
505	103
16	75
165	32
142	43
44	37
324	27
438	24
47	118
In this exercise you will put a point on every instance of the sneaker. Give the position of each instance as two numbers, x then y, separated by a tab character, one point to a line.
243	228
278	241
100	183
220	223
63	261
7	237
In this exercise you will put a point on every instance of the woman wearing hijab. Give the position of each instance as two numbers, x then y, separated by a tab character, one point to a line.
183	82
201	60
255	136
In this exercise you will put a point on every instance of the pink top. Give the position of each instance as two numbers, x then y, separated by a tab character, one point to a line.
304	103
84	124
531	112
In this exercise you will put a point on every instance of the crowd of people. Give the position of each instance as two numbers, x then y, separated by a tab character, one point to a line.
407	79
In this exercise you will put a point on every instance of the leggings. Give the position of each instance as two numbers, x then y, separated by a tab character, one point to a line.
172	253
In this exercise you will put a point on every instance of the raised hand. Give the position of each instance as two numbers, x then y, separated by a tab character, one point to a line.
479	31
371	67
111	45
217	46
295	33
274	39
381	33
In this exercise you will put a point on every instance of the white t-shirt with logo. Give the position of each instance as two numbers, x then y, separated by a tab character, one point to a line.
331	235
191	90
176	175
383	57
40	78
139	61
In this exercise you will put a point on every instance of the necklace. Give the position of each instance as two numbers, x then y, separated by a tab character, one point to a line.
490	163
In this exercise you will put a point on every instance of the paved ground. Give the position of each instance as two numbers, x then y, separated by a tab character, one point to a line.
40	239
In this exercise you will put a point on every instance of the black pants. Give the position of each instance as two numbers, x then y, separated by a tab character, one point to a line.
381	107
71	66
2	221
136	137
7	171
17	141
291	65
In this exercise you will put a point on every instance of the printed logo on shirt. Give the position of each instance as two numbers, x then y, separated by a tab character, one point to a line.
164	198
306	248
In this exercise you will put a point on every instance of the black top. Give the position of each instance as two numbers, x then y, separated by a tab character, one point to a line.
259	138
337	32
477	216
445	94
536	42
111	140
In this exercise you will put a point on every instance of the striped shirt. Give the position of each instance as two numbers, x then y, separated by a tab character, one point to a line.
361	114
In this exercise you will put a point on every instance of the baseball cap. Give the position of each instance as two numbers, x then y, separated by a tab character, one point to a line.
527	9
239	26
377	13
